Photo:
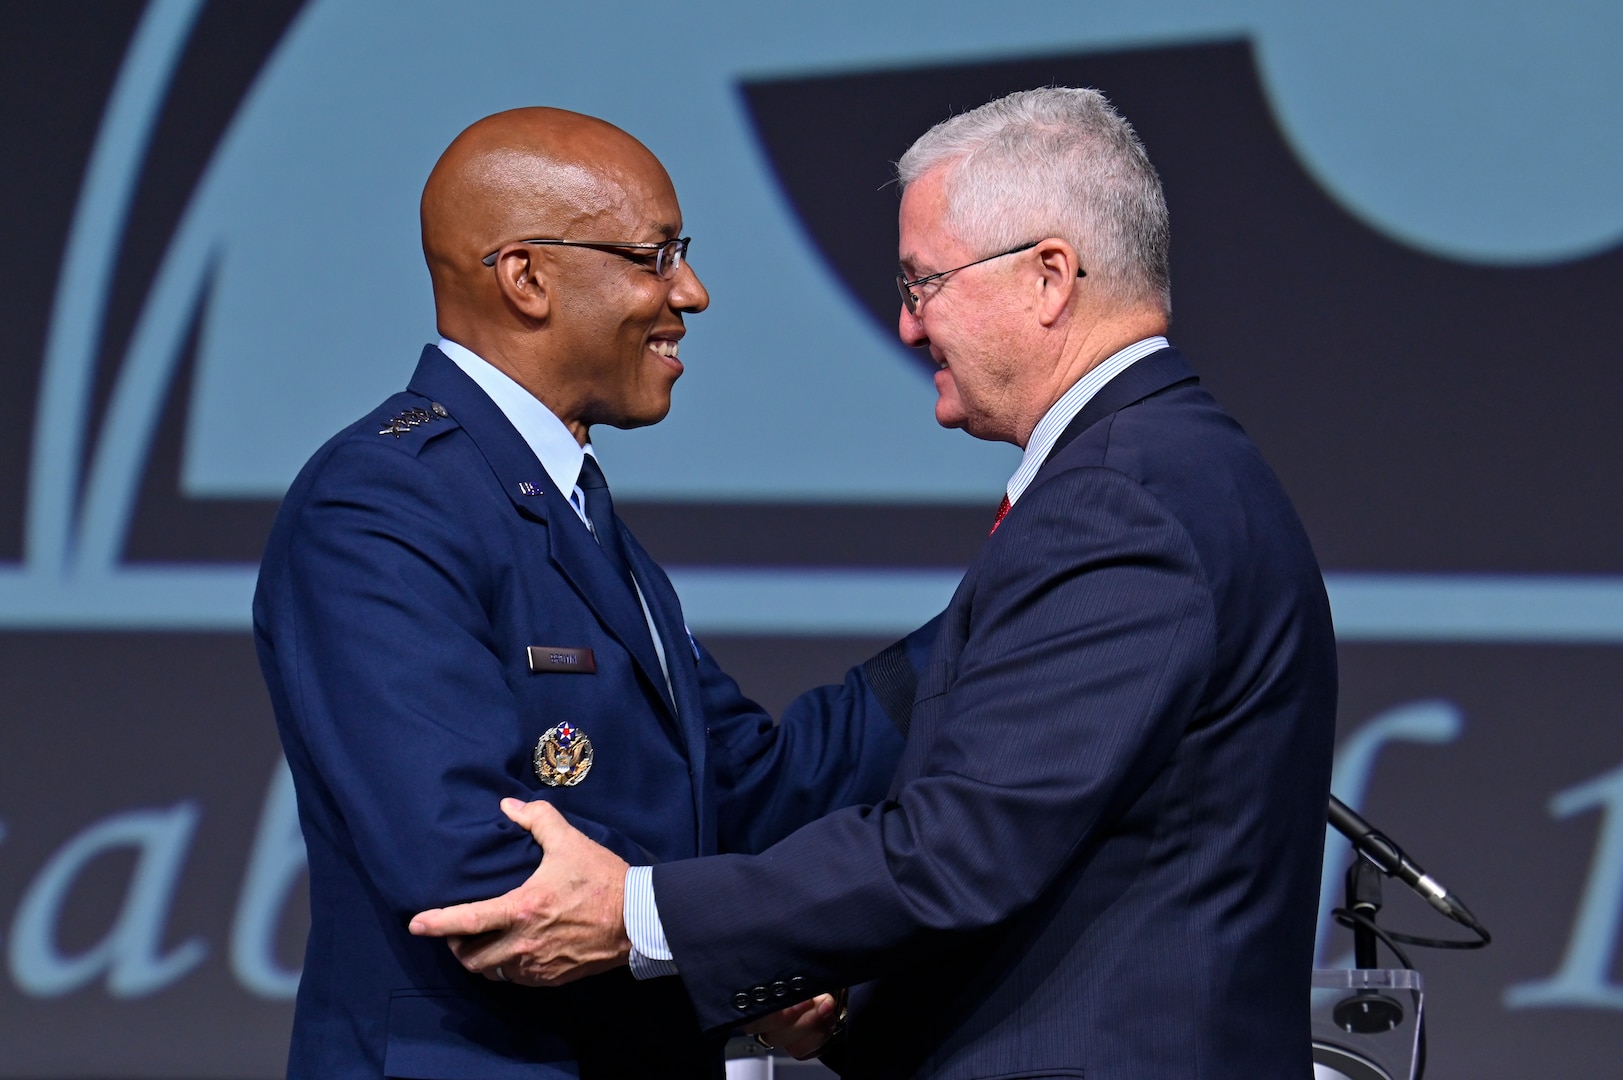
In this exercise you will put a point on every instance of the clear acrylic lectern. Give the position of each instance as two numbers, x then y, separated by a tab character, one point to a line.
1366	1023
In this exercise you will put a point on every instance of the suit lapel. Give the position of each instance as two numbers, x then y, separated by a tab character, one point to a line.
570	545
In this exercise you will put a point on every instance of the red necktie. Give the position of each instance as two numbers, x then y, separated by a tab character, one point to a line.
1002	511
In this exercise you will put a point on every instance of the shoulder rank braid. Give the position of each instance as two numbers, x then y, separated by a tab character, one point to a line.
406	419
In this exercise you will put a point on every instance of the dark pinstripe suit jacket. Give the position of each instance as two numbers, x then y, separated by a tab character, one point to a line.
1099	856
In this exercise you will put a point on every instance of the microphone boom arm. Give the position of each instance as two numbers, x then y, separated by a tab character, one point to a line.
1391	860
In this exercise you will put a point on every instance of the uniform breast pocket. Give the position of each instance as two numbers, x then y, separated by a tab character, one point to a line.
600	744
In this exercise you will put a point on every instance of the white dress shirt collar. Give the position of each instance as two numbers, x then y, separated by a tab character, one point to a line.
1062	412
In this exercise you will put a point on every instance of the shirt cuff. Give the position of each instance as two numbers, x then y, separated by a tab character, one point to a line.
650	954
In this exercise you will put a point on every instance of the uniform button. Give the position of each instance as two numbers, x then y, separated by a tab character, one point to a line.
798	983
439	410
780	989
741	1001
759	994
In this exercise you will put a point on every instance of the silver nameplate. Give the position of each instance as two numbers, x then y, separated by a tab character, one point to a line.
562	658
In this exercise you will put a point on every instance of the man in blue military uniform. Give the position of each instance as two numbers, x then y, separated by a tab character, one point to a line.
449	612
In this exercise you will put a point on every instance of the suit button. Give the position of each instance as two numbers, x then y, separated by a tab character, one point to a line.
759	994
780	989
741	1001
798	983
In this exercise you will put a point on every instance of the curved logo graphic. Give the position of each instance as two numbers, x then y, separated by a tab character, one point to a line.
288	297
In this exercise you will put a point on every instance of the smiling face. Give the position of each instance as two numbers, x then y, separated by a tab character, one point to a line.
615	323
969	321
592	332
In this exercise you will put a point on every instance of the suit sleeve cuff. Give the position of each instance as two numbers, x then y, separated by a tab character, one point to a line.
650	954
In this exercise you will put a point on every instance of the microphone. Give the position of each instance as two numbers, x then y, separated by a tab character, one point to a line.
1390	859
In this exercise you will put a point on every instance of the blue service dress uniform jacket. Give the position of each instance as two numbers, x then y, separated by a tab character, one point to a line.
415	560
1100	854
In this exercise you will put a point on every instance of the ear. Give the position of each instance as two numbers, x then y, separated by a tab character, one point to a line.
1060	267
521	275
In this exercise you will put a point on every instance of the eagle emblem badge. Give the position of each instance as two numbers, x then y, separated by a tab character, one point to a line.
563	756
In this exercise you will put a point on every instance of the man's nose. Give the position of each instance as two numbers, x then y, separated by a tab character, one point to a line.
911	329
687	291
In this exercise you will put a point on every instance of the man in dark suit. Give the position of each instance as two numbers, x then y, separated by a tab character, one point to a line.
1100	853
449	612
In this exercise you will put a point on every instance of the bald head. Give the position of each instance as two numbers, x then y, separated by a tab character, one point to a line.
591	325
526	173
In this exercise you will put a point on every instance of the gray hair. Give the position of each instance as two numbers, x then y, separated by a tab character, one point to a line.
1056	162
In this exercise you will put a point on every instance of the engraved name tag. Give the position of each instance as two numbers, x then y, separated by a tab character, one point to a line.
562	658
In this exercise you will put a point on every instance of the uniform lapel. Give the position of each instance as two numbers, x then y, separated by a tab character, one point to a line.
681	658
576	554
570	545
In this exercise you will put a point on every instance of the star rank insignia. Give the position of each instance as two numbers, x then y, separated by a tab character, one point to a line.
563	756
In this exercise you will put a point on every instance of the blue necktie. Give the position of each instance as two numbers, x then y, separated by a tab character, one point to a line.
600	510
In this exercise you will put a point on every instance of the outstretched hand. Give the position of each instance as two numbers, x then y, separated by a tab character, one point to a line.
564	923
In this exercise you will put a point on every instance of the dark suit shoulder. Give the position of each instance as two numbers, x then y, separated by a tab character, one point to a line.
1257	557
1198	462
1191	454
1161	429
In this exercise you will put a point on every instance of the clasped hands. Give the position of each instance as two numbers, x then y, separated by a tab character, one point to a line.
567	921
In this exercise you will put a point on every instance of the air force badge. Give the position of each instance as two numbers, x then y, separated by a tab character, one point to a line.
563	756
